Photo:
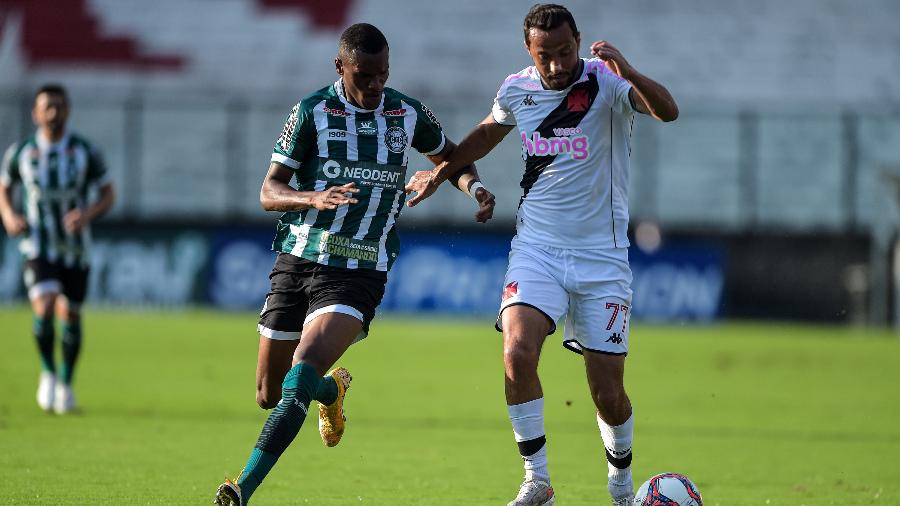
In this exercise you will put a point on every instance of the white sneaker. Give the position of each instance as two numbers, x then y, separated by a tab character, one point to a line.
46	390
64	401
534	493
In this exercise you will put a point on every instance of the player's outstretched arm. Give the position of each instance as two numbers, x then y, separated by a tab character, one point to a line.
480	141
277	194
649	96
466	181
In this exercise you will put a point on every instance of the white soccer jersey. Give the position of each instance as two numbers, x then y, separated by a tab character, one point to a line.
576	145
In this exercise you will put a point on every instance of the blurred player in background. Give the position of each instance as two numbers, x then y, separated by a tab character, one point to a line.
56	169
569	256
346	146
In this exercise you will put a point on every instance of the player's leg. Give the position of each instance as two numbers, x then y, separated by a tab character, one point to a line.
533	300
42	282
68	311
323	341
598	327
614	418
273	363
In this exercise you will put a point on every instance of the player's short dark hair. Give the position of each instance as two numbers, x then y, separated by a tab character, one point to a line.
546	17
361	37
52	89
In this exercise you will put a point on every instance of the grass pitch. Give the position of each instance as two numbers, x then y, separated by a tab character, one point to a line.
755	414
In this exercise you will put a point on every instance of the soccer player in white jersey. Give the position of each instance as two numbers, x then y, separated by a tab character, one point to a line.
569	256
346	146
56	169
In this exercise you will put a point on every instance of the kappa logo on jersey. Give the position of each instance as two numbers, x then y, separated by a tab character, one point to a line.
615	338
366	128
528	100
337	112
564	142
430	115
578	100
287	133
511	290
395	139
394	112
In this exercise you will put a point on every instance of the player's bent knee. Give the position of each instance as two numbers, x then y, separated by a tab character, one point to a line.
609	399
520	358
266	400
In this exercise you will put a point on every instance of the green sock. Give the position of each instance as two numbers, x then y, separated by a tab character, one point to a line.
327	392
71	346
282	426
44	335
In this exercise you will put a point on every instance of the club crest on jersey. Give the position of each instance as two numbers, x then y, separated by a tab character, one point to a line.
395	139
577	100
537	145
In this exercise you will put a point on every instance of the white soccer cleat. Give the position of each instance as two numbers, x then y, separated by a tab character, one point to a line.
46	391
534	493
64	399
624	501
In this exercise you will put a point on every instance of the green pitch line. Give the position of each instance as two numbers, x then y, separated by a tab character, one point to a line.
754	413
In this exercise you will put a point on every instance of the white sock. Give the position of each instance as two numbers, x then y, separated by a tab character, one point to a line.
528	426
617	441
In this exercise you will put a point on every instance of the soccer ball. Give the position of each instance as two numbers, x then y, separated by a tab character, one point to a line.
668	489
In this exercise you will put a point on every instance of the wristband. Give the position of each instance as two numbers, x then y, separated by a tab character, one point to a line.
474	188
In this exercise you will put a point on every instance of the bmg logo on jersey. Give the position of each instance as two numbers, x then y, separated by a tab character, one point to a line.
565	140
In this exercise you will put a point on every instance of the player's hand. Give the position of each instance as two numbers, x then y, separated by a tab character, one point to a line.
424	183
335	196
15	224
485	205
74	221
613	58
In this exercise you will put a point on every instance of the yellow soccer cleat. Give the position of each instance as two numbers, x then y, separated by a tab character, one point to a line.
331	417
228	494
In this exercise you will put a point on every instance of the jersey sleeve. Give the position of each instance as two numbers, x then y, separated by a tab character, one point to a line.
9	170
298	137
96	170
428	137
501	110
614	88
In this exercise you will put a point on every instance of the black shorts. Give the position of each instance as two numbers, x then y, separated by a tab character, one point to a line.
302	290
42	276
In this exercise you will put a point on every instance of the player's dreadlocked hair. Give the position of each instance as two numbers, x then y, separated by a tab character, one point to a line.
52	89
546	17
361	37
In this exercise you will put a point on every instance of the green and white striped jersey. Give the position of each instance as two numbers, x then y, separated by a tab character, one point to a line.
55	179
329	142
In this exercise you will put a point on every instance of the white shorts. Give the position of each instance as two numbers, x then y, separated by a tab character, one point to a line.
592	288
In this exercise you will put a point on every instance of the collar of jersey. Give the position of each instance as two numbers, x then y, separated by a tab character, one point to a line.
44	143
339	90
564	91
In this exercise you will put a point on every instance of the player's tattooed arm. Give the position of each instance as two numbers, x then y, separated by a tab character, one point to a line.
277	194
648	96
474	147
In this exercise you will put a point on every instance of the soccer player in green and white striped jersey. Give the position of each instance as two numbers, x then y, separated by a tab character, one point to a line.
346	147
56	169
